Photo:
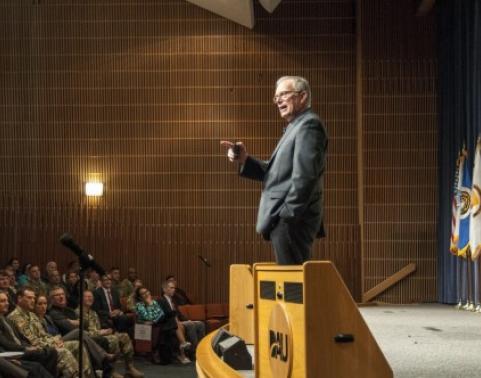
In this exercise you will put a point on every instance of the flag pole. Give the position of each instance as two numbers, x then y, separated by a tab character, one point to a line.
459	270
467	293
470	303
478	307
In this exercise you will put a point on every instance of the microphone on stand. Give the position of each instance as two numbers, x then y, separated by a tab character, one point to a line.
86	259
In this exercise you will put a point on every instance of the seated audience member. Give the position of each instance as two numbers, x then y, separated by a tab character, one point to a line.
131	302
49	268
35	282
65	323
180	297
22	278
72	286
12	279
11	341
194	329
118	343
5	287
108	307
149	311
54	279
72	266
15	264
126	287
115	277
28	324
93	280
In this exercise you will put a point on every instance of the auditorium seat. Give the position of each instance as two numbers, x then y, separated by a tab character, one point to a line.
213	315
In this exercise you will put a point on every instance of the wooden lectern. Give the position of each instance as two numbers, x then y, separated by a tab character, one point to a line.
241	302
307	325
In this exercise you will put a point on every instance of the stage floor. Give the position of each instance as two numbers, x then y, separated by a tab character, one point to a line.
428	340
419	341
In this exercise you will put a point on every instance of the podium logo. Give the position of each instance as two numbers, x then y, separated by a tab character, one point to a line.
279	346
280	342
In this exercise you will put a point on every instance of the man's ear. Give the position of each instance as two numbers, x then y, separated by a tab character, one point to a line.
304	97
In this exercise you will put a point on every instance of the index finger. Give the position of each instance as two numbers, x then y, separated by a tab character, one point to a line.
226	144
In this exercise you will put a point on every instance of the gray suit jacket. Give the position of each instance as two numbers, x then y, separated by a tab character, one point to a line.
293	176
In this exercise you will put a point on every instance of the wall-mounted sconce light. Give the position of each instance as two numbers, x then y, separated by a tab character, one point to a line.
94	189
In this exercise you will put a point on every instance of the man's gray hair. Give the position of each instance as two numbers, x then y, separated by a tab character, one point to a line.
300	84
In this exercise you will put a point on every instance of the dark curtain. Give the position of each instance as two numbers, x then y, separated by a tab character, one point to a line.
459	47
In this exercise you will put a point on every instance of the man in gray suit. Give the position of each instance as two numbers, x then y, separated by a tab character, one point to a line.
290	211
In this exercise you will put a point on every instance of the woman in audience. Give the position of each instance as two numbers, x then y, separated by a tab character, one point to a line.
148	311
41	305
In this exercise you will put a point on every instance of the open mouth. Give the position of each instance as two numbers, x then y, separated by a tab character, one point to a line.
282	107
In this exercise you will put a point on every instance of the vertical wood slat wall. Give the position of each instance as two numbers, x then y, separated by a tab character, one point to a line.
138	94
399	122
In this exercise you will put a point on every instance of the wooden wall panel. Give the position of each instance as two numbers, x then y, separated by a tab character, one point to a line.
138	94
399	119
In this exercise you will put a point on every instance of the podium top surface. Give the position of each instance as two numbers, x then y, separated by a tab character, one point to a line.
289	268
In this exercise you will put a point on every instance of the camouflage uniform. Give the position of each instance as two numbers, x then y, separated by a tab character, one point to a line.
118	342
30	326
39	287
126	288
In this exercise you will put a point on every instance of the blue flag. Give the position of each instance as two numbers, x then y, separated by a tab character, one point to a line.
464	205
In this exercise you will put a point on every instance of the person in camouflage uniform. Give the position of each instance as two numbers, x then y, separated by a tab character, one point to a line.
29	325
119	343
126	286
34	280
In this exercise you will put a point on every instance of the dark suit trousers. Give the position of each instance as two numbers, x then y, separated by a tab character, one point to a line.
10	370
35	370
292	242
26	369
47	357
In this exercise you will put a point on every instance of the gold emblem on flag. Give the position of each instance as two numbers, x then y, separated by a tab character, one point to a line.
476	200
465	202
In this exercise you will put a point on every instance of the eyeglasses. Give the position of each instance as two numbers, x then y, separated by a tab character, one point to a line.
283	96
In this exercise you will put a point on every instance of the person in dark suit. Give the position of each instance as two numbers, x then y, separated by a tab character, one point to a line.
33	357
108	307
191	330
180	297
171	322
290	211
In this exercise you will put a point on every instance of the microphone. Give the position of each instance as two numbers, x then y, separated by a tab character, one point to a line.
204	260
86	259
237	150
